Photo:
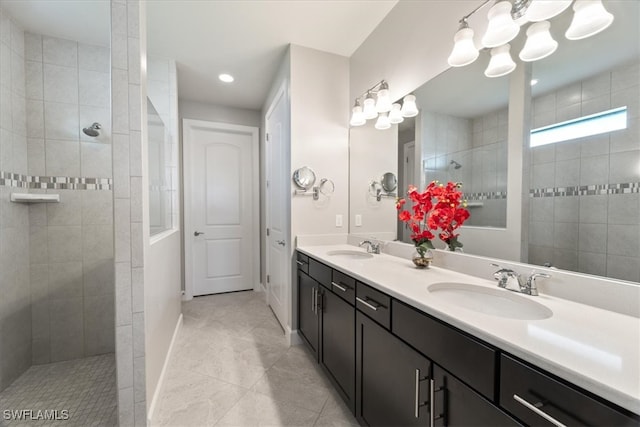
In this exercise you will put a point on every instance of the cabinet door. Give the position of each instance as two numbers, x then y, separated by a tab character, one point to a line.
456	404
307	311
338	344
391	378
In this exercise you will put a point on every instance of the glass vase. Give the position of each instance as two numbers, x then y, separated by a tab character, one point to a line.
422	260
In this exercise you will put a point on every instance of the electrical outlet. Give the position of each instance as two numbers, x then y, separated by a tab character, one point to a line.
358	220
338	220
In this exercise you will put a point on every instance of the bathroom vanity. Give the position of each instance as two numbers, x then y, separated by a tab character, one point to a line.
408	347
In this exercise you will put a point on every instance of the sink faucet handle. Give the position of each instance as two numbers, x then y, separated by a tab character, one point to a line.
505	275
531	288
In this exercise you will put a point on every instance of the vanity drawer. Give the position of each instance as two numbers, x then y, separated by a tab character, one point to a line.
472	361
320	272
344	286
302	261
374	304
521	385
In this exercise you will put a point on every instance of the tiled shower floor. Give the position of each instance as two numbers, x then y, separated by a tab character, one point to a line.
86	388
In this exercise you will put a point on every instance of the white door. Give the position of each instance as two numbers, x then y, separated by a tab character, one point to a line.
408	178
220	233
277	207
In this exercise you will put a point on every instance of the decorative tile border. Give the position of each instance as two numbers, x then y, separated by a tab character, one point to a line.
8	179
587	190
489	195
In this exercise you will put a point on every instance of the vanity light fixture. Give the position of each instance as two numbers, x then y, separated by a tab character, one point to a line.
505	19
377	104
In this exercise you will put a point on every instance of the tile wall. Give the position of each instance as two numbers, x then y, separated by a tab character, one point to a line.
480	146
72	291
15	298
127	96
584	208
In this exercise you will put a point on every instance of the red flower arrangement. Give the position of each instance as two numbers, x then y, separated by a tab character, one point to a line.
439	207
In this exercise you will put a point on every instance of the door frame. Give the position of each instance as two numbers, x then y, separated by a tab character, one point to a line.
281	93
187	126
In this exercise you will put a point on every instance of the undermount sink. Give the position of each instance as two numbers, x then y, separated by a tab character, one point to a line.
349	254
496	302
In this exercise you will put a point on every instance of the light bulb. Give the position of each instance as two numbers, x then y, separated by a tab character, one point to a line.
539	42
464	50
409	107
369	109
502	28
541	10
501	63
589	18
383	122
395	116
357	117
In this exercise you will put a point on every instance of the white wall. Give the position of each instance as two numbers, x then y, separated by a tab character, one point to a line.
410	46
218	113
372	153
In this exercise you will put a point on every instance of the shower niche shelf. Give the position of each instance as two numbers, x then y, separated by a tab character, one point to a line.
34	198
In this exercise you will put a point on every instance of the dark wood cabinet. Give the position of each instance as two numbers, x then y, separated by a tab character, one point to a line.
392	379
338	344
536	399
308	312
456	404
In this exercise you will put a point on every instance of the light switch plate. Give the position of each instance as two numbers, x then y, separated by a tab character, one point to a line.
338	220
358	220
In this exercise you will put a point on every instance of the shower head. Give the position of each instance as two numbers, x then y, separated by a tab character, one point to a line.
456	164
93	130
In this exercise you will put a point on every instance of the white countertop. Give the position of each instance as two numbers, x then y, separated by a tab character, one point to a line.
596	349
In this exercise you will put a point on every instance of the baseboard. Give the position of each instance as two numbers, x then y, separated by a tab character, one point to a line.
293	337
157	392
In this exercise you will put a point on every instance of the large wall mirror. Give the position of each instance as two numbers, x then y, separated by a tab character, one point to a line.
581	194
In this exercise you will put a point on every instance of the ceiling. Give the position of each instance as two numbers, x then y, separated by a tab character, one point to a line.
248	40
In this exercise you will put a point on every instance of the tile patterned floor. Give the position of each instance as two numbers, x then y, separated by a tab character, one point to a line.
231	367
86	388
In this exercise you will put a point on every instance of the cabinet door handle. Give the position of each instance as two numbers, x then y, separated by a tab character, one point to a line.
342	288
417	395
537	411
313	300
368	304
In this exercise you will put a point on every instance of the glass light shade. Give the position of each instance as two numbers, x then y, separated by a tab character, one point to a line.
539	42
369	109
395	116
409	107
464	50
383	122
501	63
589	18
541	10
357	117
502	28
383	103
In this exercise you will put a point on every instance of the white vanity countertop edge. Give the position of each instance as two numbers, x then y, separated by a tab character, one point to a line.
595	349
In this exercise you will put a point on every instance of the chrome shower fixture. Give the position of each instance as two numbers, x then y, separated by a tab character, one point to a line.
93	130
456	164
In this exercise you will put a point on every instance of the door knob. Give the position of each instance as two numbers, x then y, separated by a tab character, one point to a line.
197	233
280	242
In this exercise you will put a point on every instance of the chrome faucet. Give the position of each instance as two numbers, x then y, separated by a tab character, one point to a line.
509	279
372	247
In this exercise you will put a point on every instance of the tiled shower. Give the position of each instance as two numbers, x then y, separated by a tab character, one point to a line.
56	259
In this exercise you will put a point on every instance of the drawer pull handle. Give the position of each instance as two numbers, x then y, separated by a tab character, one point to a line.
538	411
368	304
300	262
342	288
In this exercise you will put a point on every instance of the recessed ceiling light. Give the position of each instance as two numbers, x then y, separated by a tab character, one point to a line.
534	82
227	78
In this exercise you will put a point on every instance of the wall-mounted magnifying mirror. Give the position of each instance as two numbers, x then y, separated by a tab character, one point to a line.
304	178
327	187
389	182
